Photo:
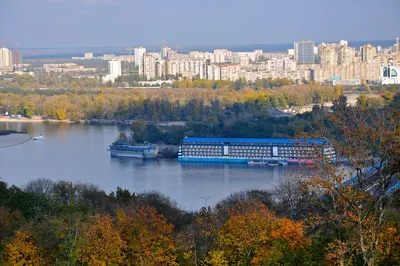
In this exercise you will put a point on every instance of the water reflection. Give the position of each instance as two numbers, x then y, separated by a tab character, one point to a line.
133	162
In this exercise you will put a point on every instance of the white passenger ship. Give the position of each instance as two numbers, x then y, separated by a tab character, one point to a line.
254	151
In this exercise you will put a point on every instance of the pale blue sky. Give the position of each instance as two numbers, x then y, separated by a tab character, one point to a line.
115	23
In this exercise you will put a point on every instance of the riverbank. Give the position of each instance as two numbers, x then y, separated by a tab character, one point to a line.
14	139
33	120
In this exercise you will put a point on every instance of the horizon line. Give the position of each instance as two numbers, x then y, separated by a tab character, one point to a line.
205	45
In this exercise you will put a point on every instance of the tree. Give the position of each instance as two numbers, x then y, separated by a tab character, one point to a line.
253	235
40	186
21	250
148	237
354	211
340	104
362	100
138	128
100	244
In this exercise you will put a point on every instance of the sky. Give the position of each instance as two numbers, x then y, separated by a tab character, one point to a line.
125	23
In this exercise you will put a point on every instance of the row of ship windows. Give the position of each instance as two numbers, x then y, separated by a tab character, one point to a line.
253	157
244	152
248	155
248	148
245	144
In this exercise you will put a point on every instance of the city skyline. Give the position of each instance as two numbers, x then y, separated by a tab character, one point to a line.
105	23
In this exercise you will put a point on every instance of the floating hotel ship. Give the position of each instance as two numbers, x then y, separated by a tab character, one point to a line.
124	149
255	151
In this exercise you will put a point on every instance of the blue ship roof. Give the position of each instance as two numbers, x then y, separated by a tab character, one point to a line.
241	140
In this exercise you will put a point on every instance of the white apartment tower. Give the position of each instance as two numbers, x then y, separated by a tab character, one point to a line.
114	67
139	52
5	57
114	70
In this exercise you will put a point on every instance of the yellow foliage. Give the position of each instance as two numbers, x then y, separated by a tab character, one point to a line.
21	250
100	244
148	237
255	236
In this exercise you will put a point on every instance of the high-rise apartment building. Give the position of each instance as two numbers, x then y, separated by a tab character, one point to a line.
222	55
328	55
304	52
114	70
368	52
139	52
5	57
148	68
398	45
346	55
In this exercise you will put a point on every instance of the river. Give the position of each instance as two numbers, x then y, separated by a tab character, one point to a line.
78	153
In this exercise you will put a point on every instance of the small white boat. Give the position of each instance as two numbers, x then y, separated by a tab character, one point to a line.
39	137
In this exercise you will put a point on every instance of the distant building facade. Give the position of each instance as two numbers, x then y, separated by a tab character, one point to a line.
139	52
88	56
390	74
368	52
5	57
304	52
114	70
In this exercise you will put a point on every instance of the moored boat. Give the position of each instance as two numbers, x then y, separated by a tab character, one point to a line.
124	149
255	151
39	137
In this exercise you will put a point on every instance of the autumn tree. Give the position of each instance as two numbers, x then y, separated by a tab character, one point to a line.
354	209
253	235
148	237
100	244
22	250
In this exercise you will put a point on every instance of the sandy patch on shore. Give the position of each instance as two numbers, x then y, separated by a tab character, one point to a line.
13	140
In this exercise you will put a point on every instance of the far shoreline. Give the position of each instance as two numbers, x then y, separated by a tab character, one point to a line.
36	120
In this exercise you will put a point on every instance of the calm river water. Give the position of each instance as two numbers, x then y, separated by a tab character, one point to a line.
78	153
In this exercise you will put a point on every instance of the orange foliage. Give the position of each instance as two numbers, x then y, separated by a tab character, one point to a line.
100	244
256	236
148	237
21	250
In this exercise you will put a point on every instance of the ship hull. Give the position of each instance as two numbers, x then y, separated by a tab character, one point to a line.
136	152
122	154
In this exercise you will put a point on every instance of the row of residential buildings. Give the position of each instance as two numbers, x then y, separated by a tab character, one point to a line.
222	64
340	61
305	62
